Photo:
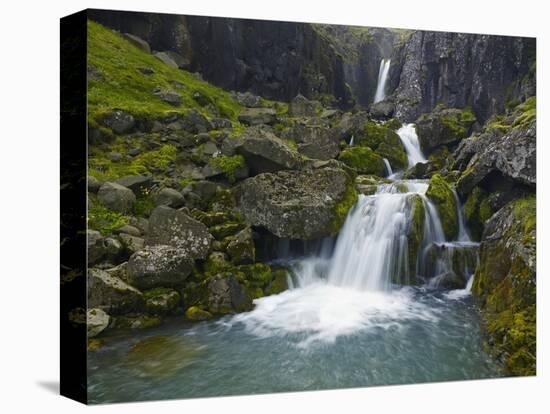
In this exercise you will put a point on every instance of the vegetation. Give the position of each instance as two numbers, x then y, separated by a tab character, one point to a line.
363	160
102	219
228	165
443	197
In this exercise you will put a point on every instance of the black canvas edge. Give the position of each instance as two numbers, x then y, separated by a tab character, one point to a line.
73	186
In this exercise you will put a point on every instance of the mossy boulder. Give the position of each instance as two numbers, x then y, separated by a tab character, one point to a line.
136	321
304	205
505	284
241	247
477	211
415	235
444	126
161	301
442	195
194	313
363	160
116	197
385	142
279	282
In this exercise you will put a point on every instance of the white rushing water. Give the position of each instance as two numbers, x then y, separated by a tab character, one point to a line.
358	285
387	164
380	94
409	138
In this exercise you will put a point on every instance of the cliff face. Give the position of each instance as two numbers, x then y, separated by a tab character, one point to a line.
279	60
458	70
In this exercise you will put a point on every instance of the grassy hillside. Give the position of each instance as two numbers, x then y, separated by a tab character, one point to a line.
116	81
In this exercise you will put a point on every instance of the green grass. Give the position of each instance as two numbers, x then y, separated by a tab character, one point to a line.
124	87
106	170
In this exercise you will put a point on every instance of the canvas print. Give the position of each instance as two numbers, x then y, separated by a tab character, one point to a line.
282	206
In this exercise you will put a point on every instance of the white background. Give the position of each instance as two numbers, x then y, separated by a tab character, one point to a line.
29	206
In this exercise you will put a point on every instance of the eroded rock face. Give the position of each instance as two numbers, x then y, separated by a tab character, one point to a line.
264	152
111	294
315	142
226	295
301	106
298	205
459	70
258	116
159	266
175	228
513	156
505	282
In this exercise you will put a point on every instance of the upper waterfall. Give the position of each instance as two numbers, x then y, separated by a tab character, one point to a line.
380	94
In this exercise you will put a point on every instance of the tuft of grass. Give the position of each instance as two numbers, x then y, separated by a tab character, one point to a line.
229	165
105	221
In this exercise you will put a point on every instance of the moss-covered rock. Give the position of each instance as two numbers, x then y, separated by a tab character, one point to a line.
241	247
161	301
385	142
137	322
194	313
505	283
415	234
477	211
444	126
279	282
441	194
363	160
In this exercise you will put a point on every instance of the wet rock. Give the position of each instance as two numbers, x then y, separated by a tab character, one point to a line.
441	194
116	197
194	313
444	126
159	266
226	295
382	110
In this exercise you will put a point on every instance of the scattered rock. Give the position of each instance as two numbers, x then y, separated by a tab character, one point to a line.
258	116
93	184
363	160
170	97
166	59
127	229
137	183
226	295
111	294
264	152
169	197
132	244
159	266
116	197
118	121
382	110
301	106
247	99
175	228
195	122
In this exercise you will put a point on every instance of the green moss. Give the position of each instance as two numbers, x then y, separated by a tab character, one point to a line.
279	282
221	231
151	293
137	322
106	170
415	235
342	208
393	124
95	344
105	221
442	196
194	313
125	87
228	165
505	282
467	116
216	264
363	160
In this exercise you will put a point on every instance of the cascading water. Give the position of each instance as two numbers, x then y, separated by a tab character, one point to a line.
344	307
380	94
387	164
409	138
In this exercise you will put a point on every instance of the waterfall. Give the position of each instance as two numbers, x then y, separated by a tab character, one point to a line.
387	164
463	234
380	94
407	134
